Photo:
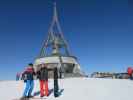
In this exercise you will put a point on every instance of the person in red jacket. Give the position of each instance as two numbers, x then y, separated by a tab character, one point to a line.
130	72
28	77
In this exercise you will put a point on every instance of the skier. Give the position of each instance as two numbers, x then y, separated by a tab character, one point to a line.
130	72
42	74
56	87
17	76
27	76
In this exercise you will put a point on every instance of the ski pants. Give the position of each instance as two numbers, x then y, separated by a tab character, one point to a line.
28	88
44	87
56	87
131	77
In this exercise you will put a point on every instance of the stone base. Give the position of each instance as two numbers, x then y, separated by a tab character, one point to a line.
69	64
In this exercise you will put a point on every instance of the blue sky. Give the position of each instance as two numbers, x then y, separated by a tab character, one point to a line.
99	32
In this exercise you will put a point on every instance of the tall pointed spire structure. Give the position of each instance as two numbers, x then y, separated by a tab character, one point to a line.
55	52
55	38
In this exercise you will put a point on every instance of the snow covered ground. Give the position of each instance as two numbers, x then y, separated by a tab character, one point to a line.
75	89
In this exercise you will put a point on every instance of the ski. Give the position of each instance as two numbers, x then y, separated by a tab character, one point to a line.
21	99
38	98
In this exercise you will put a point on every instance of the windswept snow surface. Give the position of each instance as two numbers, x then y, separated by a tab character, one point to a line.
75	89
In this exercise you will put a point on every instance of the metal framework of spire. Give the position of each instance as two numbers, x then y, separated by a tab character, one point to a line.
55	40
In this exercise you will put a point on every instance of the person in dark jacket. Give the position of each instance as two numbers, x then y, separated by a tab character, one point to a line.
17	76
42	74
28	75
56	86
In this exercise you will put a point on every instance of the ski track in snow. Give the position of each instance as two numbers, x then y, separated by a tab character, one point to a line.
74	89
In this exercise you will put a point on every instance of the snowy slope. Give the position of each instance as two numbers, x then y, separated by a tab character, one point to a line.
76	89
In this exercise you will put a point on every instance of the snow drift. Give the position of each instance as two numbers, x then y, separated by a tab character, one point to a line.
75	89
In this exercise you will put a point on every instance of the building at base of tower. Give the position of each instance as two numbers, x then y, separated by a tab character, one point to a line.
68	67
